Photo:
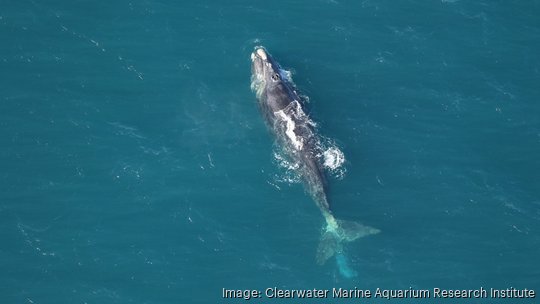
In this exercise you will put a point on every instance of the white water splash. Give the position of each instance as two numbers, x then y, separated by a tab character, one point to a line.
333	158
290	175
287	75
283	162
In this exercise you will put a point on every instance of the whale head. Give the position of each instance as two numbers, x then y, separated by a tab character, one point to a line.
269	81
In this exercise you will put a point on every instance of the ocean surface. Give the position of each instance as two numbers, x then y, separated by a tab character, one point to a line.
135	166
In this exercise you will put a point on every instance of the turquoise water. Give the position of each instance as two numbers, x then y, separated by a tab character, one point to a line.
136	167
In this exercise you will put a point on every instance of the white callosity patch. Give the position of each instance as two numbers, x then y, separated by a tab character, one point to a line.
257	78
261	54
257	84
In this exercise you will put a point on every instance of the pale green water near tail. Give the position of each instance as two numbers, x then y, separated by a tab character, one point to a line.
136	167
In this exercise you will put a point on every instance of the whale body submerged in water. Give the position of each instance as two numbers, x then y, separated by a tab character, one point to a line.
282	110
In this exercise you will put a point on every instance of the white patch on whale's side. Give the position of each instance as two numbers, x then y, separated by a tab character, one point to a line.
290	126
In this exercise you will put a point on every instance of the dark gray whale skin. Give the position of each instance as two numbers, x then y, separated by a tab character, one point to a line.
283	113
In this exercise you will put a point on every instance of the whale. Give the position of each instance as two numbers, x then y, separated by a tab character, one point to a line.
283	111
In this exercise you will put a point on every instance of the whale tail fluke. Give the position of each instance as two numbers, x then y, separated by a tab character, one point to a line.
336	233
353	230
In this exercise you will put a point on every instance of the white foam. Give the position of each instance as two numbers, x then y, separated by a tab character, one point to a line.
287	75
284	162
333	158
291	175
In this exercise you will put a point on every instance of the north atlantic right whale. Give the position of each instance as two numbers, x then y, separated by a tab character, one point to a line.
282	109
